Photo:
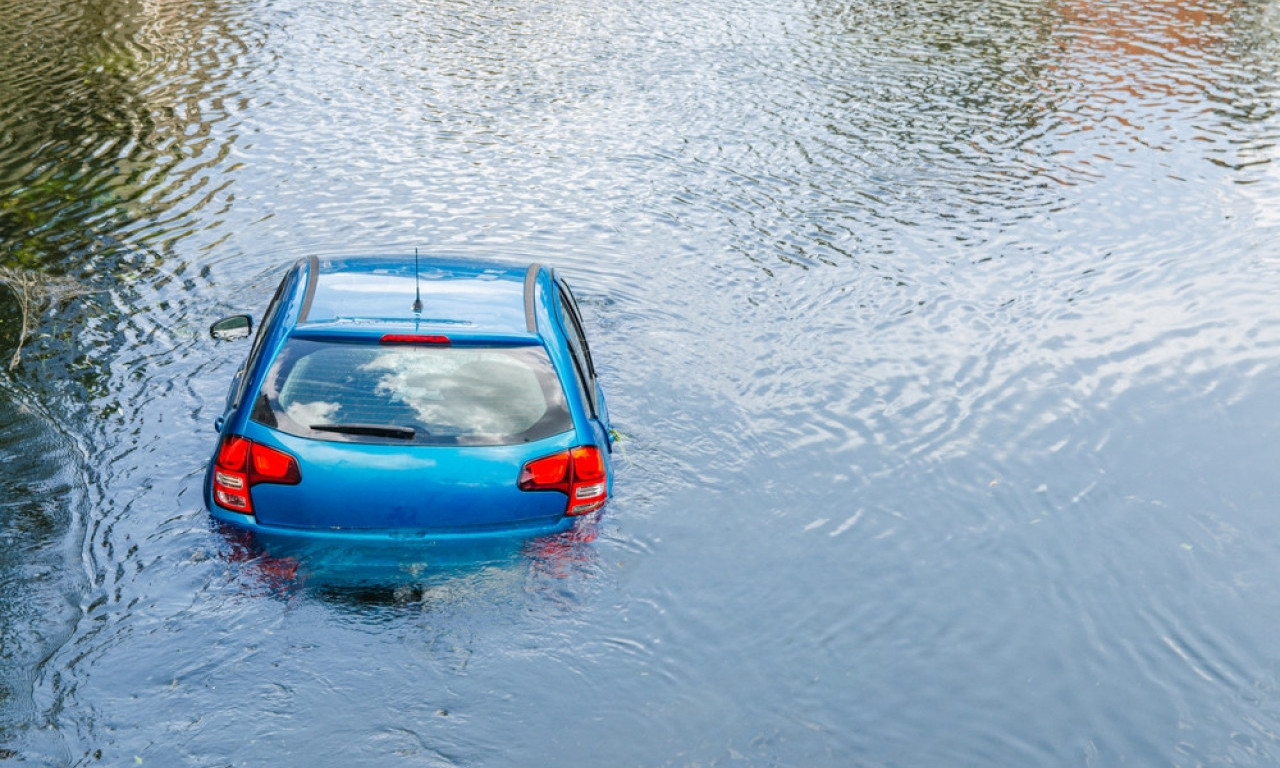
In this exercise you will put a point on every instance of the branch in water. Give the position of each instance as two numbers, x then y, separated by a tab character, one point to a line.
35	292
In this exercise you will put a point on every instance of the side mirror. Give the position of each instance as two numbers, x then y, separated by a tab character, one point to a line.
230	328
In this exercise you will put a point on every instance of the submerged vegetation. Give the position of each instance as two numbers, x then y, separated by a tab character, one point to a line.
35	292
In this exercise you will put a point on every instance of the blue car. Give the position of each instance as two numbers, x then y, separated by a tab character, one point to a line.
398	397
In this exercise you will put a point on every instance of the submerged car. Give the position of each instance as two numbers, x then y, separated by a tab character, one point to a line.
406	397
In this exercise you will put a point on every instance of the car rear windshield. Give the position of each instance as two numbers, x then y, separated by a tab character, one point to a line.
413	394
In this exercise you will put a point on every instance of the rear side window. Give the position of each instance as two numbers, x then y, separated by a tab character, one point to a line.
578	346
410	394
264	328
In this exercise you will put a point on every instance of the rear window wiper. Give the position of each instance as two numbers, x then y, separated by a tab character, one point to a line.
369	430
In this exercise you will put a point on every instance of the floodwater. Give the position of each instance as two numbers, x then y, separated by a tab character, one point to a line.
943	336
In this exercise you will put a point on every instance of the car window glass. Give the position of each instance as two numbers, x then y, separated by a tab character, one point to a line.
273	309
571	302
577	348
425	395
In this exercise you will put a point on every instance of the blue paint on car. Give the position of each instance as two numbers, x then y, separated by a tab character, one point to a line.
405	398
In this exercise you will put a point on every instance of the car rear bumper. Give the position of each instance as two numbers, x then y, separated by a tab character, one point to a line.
506	531
361	557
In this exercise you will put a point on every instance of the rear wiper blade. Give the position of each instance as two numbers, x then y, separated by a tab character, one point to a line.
371	430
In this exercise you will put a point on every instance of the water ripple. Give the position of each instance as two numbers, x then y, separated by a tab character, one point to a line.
939	335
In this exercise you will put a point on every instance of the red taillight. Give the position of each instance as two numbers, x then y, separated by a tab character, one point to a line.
546	473
272	466
230	479
590	485
579	473
413	338
242	464
233	451
588	463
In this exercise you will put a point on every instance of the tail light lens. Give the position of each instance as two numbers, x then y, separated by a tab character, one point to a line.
242	464
413	338
579	473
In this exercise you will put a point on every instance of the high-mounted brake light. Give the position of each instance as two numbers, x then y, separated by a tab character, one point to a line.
579	473
413	338
242	464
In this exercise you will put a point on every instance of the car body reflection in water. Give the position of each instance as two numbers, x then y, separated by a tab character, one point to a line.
396	569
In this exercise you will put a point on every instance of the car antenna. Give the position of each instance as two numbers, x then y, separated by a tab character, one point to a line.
417	285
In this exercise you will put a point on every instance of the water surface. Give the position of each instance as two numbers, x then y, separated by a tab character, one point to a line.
942	337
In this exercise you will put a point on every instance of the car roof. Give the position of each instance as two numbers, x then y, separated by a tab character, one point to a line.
457	295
